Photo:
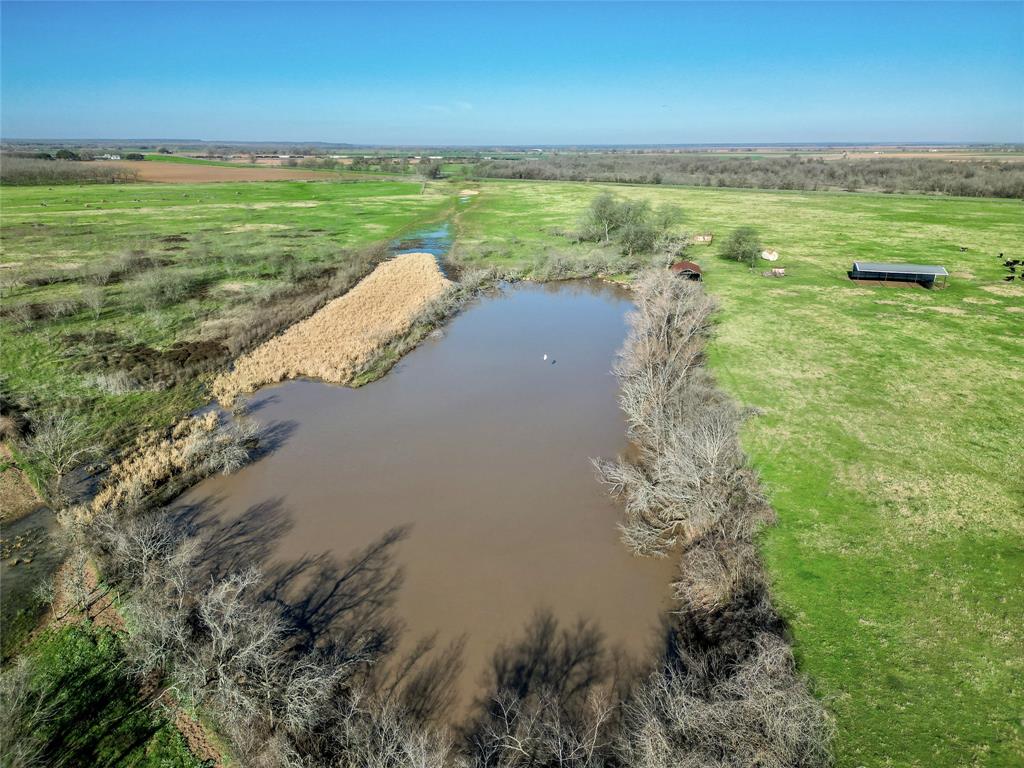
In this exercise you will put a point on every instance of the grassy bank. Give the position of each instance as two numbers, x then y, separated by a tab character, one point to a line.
88	711
885	441
117	300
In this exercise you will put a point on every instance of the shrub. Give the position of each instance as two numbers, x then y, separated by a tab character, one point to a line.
60	442
637	228
160	288
707	711
638	237
743	245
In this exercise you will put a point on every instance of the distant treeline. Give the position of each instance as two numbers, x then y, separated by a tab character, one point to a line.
25	171
969	178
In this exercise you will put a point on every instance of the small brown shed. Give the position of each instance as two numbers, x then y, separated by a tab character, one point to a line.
687	269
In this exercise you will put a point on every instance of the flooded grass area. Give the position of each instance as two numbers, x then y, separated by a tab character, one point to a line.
476	449
435	240
29	556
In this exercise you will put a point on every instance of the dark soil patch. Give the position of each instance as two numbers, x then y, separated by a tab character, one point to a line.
97	339
888	283
146	365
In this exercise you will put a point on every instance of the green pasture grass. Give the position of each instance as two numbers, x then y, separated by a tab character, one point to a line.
242	241
889	438
97	716
158	158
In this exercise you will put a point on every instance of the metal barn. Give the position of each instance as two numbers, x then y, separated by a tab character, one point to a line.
923	274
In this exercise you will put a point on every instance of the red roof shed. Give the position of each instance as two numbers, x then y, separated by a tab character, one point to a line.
687	269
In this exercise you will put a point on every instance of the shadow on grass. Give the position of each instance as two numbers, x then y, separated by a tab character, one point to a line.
98	717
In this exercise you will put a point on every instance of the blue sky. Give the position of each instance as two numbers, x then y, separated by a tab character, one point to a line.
516	73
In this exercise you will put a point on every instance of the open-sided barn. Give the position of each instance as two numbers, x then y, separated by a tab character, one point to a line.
923	274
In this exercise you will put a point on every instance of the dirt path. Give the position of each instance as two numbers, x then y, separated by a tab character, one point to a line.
335	342
17	496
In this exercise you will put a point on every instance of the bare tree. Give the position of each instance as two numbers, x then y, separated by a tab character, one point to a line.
538	732
729	694
94	298
698	714
60	442
549	701
431	169
24	711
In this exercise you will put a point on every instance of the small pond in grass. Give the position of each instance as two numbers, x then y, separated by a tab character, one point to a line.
433	240
477	450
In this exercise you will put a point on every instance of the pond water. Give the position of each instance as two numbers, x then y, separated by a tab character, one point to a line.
479	449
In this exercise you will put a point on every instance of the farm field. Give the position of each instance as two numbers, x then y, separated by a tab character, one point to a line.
885	439
884	433
200	172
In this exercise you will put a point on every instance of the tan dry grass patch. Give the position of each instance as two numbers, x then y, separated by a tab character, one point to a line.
1016	310
235	287
849	291
334	342
921	506
256	228
979	300
1004	289
468	192
151	462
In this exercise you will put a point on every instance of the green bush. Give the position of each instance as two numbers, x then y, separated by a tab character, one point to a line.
743	245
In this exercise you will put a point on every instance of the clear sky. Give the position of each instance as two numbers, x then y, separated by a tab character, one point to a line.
514	73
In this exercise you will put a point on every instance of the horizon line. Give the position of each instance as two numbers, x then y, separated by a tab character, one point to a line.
492	145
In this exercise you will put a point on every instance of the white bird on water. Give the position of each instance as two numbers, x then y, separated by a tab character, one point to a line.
545	357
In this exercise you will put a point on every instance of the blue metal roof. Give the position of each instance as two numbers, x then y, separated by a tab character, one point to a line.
899	269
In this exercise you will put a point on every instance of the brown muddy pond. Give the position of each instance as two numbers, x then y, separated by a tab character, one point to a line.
479	449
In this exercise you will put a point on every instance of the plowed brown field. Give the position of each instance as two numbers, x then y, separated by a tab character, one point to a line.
188	173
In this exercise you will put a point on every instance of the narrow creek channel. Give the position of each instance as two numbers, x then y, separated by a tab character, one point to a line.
478	448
